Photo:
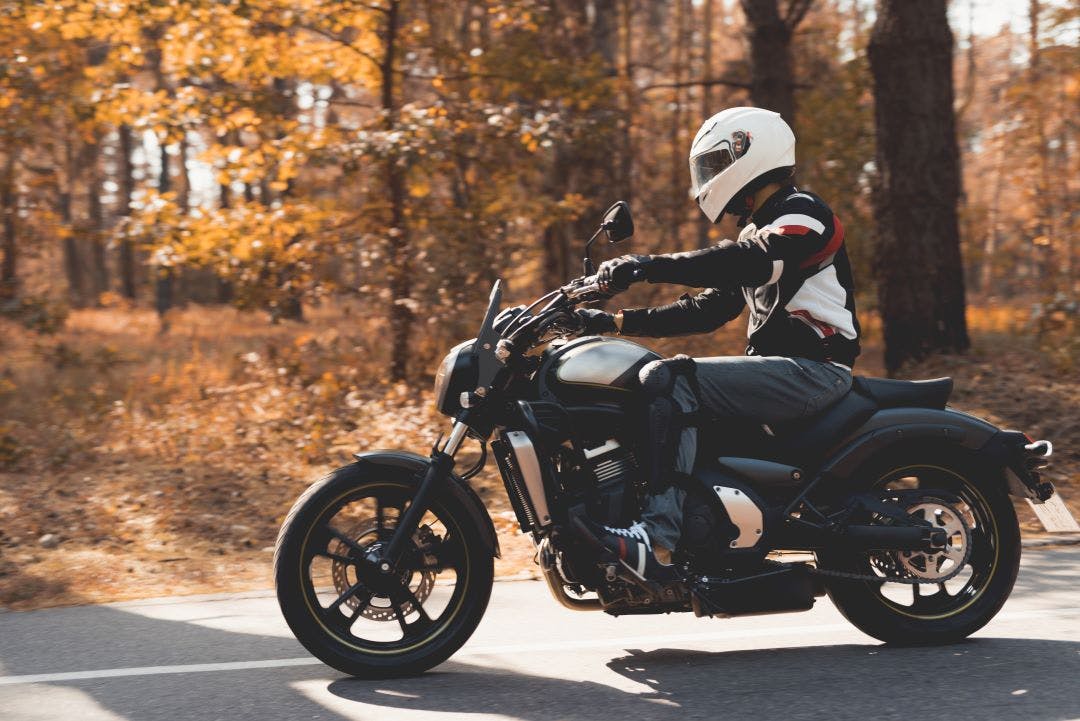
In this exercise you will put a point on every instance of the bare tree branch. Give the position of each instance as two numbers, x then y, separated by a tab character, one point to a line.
796	11
711	83
343	42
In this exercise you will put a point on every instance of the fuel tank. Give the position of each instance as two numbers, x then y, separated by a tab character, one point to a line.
594	368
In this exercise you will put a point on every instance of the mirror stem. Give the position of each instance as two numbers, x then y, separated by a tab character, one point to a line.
588	264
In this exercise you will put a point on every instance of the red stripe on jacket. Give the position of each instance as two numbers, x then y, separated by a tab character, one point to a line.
830	248
826	329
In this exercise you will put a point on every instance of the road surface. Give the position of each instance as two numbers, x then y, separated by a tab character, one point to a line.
234	659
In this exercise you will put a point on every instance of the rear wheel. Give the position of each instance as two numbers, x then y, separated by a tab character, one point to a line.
944	596
352	616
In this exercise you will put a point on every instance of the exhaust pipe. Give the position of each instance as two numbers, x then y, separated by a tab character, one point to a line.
557	585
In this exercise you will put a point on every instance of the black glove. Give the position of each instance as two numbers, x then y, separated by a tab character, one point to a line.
594	322
618	274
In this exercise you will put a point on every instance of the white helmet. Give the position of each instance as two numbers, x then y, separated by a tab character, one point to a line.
734	148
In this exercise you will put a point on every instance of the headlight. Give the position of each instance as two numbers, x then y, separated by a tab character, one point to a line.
456	373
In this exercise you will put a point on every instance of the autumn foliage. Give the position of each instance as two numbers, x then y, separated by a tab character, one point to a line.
237	235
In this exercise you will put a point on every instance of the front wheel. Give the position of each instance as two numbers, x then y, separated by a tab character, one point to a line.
370	624
944	596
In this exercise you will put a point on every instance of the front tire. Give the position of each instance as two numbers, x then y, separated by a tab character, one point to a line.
906	614
352	619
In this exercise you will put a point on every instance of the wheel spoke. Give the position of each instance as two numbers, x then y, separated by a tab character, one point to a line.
401	596
346	594
942	589
351	543
364	601
336	557
401	621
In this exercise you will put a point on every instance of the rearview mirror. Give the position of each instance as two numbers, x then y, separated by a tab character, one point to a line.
618	225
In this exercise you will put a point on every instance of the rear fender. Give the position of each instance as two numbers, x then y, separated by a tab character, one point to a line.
893	426
1008	450
461	490
887	429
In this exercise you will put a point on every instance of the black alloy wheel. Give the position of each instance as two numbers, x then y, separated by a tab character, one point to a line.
946	595
364	619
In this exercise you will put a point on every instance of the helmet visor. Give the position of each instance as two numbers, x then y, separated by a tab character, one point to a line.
707	166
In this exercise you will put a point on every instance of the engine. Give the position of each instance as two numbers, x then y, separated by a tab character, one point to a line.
607	482
610	483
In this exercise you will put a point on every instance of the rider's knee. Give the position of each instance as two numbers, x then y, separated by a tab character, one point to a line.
656	379
669	378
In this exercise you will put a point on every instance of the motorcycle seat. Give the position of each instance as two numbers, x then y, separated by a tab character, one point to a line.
888	393
800	441
803	438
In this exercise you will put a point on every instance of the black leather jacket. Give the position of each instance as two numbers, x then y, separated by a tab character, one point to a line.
789	266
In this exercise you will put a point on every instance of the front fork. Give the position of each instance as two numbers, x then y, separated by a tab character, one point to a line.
440	463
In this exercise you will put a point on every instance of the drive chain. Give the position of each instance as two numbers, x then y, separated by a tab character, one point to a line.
909	580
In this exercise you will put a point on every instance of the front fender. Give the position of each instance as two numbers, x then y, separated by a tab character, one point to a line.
462	490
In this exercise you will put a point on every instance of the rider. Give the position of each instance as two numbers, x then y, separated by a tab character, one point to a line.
788	265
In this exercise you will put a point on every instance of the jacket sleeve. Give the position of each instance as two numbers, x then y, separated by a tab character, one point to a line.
805	234
701	313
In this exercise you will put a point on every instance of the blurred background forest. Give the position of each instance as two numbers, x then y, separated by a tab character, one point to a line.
237	236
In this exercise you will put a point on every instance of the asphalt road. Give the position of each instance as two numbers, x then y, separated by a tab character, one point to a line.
233	658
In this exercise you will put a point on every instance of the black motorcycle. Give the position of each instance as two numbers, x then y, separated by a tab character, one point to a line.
894	505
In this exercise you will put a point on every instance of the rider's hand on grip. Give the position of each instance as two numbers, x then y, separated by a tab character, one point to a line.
618	274
594	322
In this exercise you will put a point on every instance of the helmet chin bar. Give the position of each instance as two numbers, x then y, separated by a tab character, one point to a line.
741	206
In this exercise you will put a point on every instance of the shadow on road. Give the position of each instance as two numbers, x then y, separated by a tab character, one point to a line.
983	679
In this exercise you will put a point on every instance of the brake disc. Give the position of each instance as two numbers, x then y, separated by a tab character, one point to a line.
379	607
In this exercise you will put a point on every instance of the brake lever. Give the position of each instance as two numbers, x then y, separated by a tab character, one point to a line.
588	292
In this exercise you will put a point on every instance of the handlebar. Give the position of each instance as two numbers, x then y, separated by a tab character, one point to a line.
585	289
590	285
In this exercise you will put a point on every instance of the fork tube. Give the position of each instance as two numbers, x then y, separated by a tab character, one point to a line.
439	466
457	436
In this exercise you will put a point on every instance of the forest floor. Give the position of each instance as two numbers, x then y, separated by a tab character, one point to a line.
137	464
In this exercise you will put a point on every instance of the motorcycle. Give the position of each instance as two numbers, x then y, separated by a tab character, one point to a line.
894	505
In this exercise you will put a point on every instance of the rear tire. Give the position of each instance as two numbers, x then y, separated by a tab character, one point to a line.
944	616
326	632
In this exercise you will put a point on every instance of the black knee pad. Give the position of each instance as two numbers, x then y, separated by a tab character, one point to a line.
663	417
656	379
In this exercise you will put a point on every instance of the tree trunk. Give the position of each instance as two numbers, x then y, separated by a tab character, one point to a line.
707	111
72	263
993	220
677	183
183	194
917	253
290	305
127	190
399	261
1045	259
772	84
630	104
8	208
96	212
164	275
